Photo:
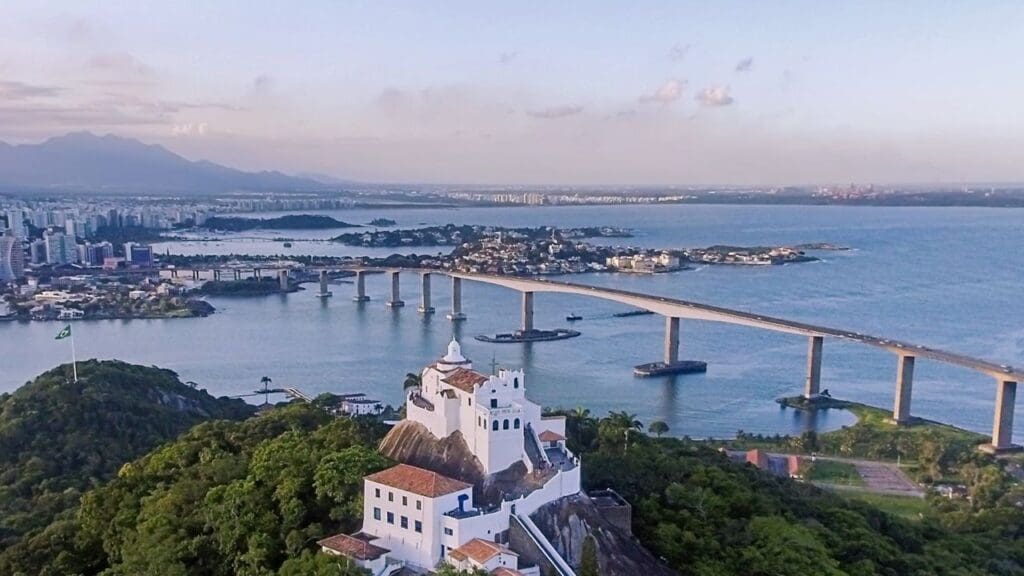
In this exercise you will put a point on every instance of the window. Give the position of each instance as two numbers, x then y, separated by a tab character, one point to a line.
494	402
405	501
515	382
376	492
419	505
469	401
448	532
391	517
504	425
391	496
376	513
494	425
418	526
404	522
515	423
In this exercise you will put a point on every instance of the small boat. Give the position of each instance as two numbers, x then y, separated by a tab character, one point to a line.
573	317
632	313
287	244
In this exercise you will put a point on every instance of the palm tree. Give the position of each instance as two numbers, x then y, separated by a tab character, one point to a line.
266	388
624	420
412	381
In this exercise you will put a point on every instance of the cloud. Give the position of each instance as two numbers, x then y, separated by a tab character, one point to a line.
678	52
553	112
715	96
666	93
745	64
506	58
12	90
119	63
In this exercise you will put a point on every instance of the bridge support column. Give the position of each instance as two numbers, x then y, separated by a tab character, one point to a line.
216	275
324	292
174	272
396	297
425	305
671	340
904	384
527	316
257	273
1002	423
360	287
195	275
456	313
812	387
238	274
282	277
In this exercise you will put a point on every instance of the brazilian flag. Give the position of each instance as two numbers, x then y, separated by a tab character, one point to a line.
66	332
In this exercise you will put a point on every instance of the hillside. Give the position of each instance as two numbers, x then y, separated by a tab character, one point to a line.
59	438
287	222
86	162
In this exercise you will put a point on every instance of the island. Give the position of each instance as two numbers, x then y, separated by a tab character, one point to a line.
85	298
455	235
382	222
289	222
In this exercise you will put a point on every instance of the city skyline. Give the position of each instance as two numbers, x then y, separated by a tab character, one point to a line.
591	94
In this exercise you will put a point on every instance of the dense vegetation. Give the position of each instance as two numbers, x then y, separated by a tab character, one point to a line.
59	438
707	516
246	498
252	498
243	287
289	222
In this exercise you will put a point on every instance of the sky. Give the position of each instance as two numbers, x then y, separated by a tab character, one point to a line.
535	93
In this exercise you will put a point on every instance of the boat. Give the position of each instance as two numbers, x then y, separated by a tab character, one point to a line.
629	313
287	244
573	317
662	369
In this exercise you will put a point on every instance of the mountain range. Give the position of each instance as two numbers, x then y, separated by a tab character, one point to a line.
82	161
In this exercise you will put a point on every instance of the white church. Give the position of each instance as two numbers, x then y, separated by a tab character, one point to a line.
414	519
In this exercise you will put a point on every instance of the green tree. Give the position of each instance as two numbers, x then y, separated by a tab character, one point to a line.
588	558
658	428
412	381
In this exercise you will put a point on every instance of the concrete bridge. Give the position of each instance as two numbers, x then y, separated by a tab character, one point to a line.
674	310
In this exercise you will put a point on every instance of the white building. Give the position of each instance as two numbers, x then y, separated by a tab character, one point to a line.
360	405
420	518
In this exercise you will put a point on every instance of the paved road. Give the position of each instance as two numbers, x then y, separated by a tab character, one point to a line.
879	477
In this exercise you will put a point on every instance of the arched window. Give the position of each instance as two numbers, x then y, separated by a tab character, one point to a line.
515	423
515	382
494	425
504	424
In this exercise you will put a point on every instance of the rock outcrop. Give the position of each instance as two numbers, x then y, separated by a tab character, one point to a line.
568	521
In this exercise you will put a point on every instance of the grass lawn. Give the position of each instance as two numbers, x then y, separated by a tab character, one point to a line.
832	472
904	506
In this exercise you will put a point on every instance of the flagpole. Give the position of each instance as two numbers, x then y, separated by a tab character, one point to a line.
74	362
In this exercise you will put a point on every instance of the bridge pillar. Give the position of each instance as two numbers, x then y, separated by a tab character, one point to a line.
216	275
324	292
904	384
257	273
1002	424
425	305
812	387
282	277
195	274
238	274
671	340
527	313
456	313
360	287
396	297
174	272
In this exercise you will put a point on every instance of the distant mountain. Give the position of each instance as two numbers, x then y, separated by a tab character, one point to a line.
82	161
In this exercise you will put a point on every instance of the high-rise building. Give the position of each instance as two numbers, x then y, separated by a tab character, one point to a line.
60	248
37	252
16	223
12	257
140	255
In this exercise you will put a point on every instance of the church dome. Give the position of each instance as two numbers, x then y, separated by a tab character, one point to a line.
454	357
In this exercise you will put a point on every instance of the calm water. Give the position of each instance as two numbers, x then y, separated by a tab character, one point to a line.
947	278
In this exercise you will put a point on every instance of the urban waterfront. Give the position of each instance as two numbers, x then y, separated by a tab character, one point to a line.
945	277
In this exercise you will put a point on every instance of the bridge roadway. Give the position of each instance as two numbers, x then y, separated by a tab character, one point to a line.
674	309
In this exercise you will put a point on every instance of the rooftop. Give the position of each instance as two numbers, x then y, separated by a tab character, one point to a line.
549	436
418	481
357	547
479	550
465	379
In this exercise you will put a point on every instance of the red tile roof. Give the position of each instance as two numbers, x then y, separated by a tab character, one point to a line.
353	547
464	379
479	550
418	481
550	436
